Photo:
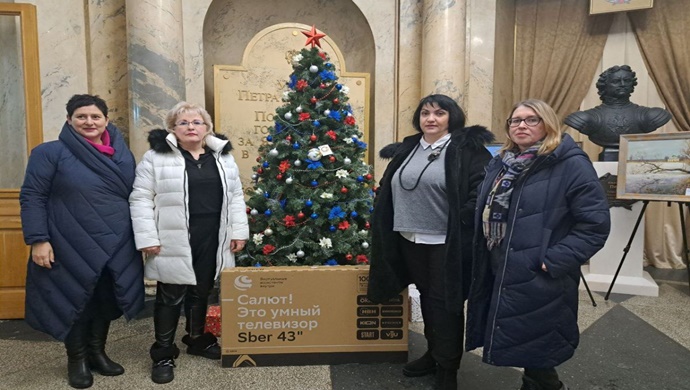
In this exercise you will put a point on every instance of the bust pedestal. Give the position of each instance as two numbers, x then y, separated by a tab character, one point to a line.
632	278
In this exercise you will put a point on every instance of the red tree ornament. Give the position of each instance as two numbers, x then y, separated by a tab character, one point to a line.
313	37
268	249
343	190
313	138
301	84
289	221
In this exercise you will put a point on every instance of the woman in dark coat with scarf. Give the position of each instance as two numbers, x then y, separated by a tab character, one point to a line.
541	214
84	269
422	227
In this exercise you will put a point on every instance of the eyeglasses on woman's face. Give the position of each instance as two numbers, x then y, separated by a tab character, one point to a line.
186	123
529	121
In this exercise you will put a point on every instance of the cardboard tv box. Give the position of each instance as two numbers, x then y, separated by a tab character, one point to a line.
287	316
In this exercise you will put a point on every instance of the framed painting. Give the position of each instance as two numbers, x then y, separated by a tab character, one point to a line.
605	6
654	167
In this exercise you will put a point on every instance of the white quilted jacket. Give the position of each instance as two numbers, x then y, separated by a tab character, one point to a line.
160	216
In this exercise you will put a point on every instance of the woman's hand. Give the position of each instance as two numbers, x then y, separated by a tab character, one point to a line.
152	250
543	267
237	245
42	254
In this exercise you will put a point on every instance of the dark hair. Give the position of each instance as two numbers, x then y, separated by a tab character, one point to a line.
456	118
604	77
78	101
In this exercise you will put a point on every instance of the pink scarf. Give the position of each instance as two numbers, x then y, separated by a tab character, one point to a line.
105	148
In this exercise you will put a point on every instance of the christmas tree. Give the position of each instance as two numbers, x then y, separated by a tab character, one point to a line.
313	193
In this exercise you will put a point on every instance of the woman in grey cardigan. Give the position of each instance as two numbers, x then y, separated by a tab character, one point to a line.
422	227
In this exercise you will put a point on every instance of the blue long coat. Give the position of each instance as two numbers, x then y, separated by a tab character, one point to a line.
558	216
77	199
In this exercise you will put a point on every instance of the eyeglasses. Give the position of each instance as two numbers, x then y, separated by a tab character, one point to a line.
529	121
186	124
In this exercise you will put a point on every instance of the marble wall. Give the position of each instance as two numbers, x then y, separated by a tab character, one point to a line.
12	119
89	52
106	50
63	58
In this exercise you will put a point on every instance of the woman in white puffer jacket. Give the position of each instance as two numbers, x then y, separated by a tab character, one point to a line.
189	219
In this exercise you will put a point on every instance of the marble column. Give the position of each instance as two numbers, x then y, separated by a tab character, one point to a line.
481	29
443	48
409	65
155	52
106	38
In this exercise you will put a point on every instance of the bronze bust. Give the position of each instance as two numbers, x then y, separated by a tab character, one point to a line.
616	115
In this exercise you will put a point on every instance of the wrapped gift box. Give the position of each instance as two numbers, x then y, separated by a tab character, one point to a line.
213	320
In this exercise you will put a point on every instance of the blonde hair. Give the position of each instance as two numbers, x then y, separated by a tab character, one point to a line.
552	126
182	108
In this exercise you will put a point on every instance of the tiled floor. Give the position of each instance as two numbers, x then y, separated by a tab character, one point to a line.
628	342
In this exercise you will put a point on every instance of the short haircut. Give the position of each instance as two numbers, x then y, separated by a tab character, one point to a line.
456	117
182	108
78	101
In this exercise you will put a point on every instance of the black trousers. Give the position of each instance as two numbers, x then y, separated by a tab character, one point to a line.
546	377
443	329
203	238
103	304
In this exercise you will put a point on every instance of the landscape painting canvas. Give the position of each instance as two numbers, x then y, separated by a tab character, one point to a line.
654	167
605	6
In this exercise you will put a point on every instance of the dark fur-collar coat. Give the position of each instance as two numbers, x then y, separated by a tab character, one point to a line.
465	159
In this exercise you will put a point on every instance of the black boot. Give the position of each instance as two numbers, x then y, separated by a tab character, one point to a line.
78	373
446	379
205	345
166	314
163	363
529	384
98	360
425	365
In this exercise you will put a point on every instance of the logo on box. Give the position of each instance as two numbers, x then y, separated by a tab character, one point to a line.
367	334
243	282
392	334
367	323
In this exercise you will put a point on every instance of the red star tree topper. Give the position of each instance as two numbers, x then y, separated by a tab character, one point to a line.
313	37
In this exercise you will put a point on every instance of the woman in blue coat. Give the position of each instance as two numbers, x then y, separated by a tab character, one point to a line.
84	269
541	214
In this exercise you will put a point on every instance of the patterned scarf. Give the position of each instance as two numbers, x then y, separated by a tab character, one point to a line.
495	215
